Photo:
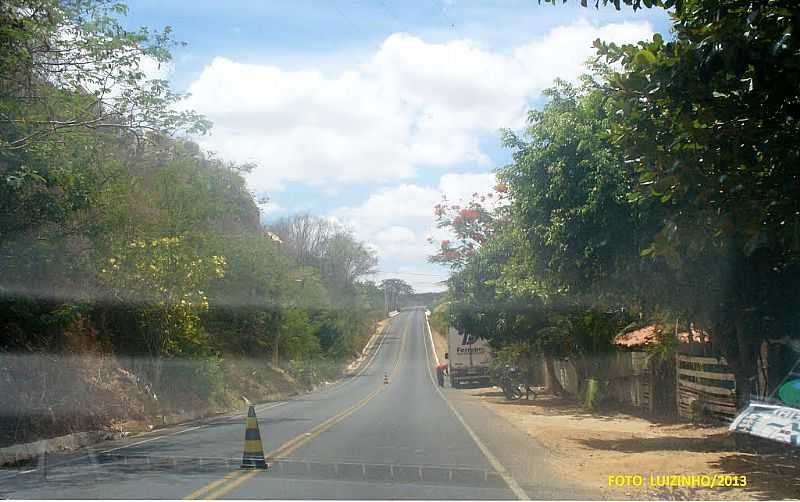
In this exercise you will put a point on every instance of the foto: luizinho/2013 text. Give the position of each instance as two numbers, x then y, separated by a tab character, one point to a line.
677	480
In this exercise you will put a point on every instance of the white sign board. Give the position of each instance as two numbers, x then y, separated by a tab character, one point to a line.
778	423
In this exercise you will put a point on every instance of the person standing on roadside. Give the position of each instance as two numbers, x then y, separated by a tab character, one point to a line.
441	371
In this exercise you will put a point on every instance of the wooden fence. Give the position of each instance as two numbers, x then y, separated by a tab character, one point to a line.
706	386
696	386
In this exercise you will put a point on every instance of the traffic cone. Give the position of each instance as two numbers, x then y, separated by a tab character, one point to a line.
253	457
386	378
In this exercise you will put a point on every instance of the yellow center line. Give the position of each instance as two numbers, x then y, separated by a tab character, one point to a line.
207	488
233	484
218	488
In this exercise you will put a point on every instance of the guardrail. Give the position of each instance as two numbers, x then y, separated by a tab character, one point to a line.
301	468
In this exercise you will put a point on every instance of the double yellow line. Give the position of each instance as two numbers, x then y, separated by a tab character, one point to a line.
220	487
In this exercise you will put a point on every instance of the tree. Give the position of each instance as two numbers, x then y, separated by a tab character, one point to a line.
708	120
320	243
346	260
295	337
577	234
635	4
70	65
305	236
472	225
120	239
164	283
394	290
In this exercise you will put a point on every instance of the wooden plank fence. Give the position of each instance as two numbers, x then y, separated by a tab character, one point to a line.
706	385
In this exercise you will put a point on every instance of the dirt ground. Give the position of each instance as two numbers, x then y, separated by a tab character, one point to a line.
587	447
440	343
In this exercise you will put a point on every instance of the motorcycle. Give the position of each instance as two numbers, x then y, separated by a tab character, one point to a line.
512	383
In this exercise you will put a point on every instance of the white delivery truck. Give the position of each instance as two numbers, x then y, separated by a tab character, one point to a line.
469	359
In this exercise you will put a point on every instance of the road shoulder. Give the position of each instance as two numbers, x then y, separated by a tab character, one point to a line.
583	448
524	459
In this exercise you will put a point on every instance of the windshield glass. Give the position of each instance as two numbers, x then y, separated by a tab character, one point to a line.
436	249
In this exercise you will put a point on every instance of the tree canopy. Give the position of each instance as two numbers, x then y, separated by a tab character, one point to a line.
115	226
664	185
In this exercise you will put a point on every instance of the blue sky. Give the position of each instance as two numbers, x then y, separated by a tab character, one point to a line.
367	112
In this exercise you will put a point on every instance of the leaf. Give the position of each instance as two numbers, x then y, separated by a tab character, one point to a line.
645	57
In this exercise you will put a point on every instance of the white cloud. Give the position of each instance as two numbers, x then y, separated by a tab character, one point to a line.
460	188
269	208
153	69
565	48
393	220
301	126
398	221
410	105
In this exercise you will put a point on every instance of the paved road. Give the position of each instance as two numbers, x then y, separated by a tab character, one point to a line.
359	438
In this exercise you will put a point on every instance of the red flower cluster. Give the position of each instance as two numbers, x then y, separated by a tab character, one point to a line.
469	214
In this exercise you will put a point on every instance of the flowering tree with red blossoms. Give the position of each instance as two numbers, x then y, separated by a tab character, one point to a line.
471	224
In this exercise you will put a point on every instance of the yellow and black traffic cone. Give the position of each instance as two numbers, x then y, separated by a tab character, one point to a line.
253	457
386	378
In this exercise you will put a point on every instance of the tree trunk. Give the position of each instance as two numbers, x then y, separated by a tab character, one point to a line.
745	367
553	385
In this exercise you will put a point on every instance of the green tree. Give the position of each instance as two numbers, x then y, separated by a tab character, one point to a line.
164	283
70	66
708	120
296	337
395	292
577	233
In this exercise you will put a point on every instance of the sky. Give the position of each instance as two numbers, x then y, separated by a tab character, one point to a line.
367	112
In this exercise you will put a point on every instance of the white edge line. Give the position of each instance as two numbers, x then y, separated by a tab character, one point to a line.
493	461
430	333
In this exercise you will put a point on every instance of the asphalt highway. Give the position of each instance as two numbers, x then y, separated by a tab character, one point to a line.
359	438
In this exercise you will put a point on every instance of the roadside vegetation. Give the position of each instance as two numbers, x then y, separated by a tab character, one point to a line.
663	188
137	276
